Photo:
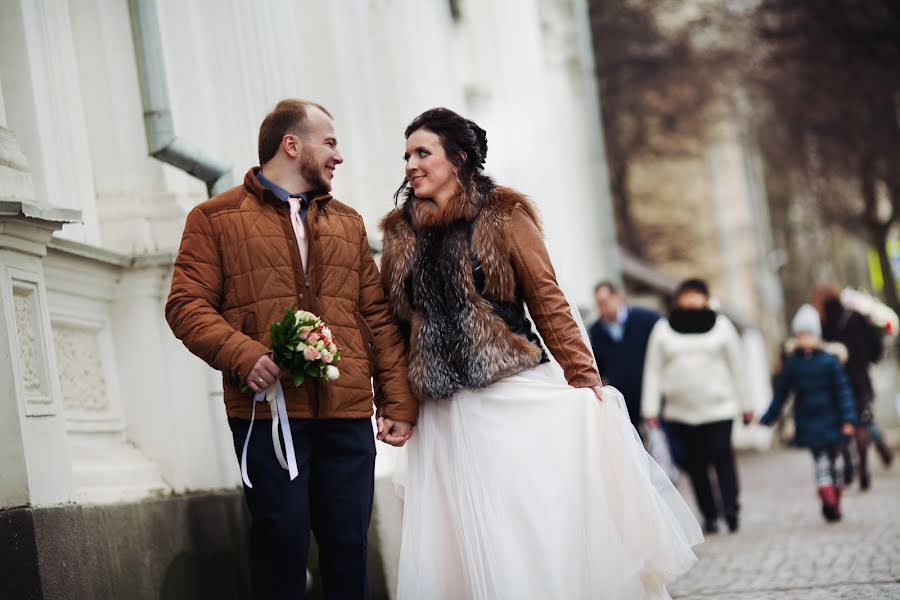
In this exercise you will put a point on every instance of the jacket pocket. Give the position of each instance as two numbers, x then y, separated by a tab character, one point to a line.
250	323
368	340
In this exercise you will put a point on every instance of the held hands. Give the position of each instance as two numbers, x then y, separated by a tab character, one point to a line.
395	433
263	374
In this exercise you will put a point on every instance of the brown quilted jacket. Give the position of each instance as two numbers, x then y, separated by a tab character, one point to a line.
238	268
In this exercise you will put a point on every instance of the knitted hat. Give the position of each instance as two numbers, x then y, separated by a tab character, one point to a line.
807	321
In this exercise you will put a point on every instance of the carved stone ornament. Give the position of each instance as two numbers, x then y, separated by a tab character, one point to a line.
26	328
81	375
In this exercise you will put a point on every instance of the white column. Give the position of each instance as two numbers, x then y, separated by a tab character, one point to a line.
15	180
172	416
34	455
577	209
136	210
375	82
38	62
81	280
34	458
529	84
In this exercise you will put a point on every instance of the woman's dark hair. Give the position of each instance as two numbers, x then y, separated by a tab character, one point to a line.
464	142
692	285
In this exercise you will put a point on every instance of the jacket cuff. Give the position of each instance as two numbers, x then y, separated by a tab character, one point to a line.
586	381
249	357
406	411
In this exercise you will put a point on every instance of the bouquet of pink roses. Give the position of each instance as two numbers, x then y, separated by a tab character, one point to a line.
303	346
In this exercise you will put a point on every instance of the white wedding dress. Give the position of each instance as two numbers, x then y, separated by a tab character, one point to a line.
530	488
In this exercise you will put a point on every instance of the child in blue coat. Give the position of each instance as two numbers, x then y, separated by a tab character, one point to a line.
824	412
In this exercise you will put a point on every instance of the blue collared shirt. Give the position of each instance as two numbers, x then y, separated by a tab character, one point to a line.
283	194
616	329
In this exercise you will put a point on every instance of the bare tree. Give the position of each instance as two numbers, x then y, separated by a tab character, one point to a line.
831	71
656	85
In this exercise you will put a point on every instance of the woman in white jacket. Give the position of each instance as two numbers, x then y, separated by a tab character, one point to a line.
694	373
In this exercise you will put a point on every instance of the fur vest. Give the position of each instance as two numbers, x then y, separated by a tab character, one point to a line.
452	287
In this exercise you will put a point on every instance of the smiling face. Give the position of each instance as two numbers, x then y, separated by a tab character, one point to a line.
318	155
429	171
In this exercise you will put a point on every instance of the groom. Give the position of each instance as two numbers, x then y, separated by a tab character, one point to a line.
280	241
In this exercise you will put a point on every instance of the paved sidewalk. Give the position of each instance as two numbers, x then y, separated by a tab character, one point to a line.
785	550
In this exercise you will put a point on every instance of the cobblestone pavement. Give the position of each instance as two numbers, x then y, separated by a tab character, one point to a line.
785	550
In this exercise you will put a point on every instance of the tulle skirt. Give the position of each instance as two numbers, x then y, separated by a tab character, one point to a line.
530	488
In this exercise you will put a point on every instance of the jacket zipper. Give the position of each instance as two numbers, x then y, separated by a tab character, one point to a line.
309	246
312	390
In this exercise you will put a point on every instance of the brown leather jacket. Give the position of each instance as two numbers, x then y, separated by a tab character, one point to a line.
468	272
239	268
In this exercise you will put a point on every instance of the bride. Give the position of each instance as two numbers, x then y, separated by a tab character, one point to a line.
526	479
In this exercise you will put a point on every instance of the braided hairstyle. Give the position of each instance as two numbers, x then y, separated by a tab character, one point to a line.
465	144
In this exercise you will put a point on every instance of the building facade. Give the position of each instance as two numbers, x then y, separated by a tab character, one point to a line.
102	408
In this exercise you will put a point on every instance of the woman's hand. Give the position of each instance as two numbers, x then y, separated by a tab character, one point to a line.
395	433
652	422
848	429
598	391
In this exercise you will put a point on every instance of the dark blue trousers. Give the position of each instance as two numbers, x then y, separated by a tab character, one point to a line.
332	496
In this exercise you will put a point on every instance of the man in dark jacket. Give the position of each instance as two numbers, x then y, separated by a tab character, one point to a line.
619	339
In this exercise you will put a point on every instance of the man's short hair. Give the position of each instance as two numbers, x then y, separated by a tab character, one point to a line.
289	116
609	285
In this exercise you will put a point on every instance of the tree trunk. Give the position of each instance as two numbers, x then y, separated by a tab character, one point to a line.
878	233
879	236
628	236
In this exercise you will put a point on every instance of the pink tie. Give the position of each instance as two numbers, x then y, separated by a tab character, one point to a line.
299	229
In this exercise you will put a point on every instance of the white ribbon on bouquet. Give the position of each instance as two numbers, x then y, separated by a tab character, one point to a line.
274	395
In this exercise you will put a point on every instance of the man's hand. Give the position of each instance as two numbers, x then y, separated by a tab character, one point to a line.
747	417
598	391
651	422
395	433
263	374
848	429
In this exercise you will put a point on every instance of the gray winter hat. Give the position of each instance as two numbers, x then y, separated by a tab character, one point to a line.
807	321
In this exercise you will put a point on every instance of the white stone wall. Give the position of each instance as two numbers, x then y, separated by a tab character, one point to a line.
71	95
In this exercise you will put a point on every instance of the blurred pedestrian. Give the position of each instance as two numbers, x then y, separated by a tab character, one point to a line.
884	451
694	361
619	339
865	346
823	403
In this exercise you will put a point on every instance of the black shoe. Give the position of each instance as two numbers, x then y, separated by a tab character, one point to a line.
865	482
711	526
732	521
830	512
